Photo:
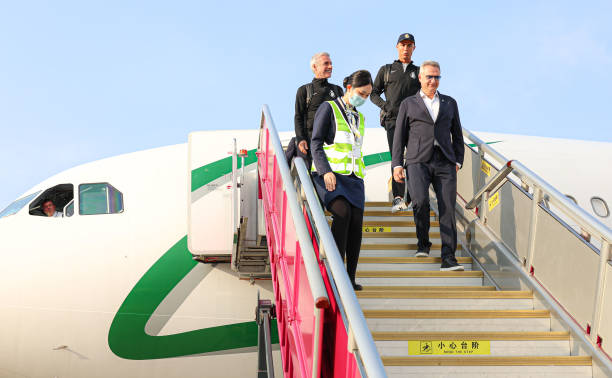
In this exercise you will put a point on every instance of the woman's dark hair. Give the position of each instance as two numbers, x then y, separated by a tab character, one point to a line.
357	79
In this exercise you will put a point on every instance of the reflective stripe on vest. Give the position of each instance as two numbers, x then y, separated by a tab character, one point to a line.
339	154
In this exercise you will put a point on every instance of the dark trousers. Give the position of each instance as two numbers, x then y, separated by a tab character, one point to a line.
346	227
397	187
442	174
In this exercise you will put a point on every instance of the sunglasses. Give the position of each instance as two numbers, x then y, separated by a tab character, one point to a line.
434	77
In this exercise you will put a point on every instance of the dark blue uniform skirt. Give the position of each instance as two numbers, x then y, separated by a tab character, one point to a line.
350	187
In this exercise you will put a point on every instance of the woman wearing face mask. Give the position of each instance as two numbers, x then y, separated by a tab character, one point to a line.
338	168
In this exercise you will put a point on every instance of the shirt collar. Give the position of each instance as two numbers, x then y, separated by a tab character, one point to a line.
424	96
400	62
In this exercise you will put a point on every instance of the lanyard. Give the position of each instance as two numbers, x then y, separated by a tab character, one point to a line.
352	116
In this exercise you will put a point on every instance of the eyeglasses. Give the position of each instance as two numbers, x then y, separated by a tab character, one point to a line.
434	77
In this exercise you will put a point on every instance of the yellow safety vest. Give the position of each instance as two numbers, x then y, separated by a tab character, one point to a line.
345	155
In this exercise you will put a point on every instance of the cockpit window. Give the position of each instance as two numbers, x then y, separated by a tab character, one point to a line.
17	205
69	209
600	207
99	198
52	201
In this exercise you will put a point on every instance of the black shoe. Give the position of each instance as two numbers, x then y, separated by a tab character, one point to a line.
357	287
423	252
450	263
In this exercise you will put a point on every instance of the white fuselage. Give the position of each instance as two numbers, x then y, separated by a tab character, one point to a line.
63	281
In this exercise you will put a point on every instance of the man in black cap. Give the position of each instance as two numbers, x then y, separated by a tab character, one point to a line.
307	100
397	81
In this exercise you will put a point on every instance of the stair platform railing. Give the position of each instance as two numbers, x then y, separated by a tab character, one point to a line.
544	231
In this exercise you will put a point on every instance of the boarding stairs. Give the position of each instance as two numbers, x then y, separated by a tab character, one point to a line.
510	313
431	323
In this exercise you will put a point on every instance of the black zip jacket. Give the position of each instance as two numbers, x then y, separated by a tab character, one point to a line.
402	84
304	115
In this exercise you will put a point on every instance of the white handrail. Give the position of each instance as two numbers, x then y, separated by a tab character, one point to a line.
313	273
567	206
357	323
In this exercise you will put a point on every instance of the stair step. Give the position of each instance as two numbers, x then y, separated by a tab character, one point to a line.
397	234
458	314
429	288
446	304
408	260
399	246
514	336
398	266
422	294
558	371
457	320
397	252
377	204
398	223
508	348
365	240
254	254
430	280
489	361
421	273
388	213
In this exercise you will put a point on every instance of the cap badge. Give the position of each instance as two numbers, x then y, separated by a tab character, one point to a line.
406	35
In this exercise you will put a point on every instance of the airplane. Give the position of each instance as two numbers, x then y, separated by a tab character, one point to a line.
118	287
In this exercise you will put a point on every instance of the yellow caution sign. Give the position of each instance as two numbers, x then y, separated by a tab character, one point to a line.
485	167
371	229
448	347
494	201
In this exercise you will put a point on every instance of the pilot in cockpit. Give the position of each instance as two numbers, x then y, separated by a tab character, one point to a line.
48	208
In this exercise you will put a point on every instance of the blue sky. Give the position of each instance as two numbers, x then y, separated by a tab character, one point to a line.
84	80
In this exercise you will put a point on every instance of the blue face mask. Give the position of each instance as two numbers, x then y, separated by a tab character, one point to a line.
356	100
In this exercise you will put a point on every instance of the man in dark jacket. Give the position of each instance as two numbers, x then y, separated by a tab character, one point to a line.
397	81
429	129
307	100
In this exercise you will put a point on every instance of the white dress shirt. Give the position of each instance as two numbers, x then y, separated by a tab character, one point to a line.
433	107
432	104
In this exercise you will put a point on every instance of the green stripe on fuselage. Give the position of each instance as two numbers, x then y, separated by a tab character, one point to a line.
210	172
127	337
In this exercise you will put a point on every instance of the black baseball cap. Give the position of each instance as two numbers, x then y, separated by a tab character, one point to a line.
405	36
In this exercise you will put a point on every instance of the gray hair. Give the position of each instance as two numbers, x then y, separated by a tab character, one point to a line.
316	57
431	63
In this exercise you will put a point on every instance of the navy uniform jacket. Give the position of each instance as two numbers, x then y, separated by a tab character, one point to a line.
416	130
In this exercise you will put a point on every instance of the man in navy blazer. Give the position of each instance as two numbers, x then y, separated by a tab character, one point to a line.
428	127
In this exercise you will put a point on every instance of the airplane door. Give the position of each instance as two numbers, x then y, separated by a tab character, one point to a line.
214	197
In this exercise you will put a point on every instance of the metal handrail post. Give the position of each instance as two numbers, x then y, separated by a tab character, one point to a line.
535	210
235	204
357	323
604	257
